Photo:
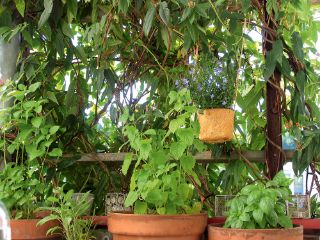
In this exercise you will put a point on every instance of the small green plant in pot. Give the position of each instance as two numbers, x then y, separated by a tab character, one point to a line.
69	212
22	193
259	211
212	83
164	202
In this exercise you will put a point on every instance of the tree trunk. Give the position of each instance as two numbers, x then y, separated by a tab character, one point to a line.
274	158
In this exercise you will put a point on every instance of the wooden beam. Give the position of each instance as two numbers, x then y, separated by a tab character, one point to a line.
252	156
315	2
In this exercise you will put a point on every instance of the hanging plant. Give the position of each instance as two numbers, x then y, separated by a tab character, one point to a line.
212	84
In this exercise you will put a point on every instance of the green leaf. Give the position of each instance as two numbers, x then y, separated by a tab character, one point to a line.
297	45
266	204
148	20
51	96
187	162
165	36
150	132
20	5
177	149
53	129
186	135
277	51
285	222
164	12
72	9
56	152
258	215
175	124
158	157
300	81
131	198
48	4
155	197
140	207
269	66
36	122
126	163
124	6
33	87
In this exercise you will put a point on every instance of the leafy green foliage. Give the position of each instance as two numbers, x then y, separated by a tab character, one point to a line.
164	161
261	206
21	191
68	212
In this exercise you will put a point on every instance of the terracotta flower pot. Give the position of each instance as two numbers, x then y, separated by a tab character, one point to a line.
216	125
25	229
217	232
125	226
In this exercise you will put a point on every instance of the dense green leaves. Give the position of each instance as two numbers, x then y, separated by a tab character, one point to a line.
159	184
261	205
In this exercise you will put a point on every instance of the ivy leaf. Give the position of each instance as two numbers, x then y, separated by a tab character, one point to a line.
20	5
48	4
148	20
126	163
297	46
164	12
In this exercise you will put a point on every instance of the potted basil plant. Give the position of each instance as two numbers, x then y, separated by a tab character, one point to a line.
257	212
22	193
212	83
164	202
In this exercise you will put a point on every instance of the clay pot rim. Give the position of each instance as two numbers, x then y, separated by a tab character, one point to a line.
220	226
131	214
26	220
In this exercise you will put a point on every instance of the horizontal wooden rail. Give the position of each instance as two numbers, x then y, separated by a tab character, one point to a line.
252	156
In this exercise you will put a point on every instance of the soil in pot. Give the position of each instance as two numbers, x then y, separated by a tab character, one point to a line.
125	226
25	229
216	125
217	232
